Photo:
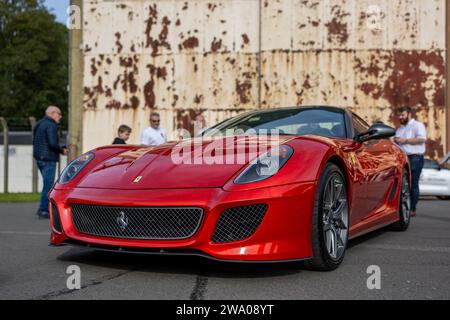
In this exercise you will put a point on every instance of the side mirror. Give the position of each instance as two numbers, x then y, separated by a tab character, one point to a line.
375	132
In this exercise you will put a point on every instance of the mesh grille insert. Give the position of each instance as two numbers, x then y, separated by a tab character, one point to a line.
148	223
56	219
239	223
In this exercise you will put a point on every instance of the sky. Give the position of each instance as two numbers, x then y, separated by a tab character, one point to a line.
58	8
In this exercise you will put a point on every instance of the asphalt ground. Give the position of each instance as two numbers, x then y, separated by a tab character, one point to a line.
413	265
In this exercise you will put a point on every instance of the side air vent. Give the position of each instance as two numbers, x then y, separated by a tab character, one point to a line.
393	190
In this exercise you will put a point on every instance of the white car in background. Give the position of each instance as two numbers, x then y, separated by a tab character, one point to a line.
435	179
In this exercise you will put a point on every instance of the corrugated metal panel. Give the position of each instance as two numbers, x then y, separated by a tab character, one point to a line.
187	57
432	24
216	81
157	81
404	24
307	31
277	25
219	27
371	25
130	14
339	20
246	25
97	17
307	78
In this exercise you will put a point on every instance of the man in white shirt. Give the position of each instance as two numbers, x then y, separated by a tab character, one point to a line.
154	135
411	137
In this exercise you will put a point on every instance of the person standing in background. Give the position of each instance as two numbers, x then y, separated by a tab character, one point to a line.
154	135
199	125
412	137
123	134
46	151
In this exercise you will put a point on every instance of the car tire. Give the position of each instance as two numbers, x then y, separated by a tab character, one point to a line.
404	206
329	228
443	198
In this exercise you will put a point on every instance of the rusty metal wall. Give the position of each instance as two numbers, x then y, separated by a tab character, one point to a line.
185	57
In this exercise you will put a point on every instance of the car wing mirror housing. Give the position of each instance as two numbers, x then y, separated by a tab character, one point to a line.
376	132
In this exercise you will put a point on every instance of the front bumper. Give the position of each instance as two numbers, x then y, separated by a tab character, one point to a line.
284	234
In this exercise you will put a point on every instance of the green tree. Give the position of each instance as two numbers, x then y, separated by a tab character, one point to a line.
33	59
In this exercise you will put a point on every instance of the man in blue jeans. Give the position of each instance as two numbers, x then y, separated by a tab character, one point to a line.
411	137
46	151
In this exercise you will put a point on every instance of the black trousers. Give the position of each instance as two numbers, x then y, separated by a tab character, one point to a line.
416	162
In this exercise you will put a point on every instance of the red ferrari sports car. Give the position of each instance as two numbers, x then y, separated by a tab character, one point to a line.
291	184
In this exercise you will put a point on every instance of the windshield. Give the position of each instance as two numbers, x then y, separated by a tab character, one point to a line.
314	121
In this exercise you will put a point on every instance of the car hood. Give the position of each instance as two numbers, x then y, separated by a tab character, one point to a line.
178	165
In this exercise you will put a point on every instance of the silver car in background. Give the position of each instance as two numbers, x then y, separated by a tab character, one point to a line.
435	179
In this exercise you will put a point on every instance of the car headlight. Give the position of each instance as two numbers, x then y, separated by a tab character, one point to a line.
266	165
72	170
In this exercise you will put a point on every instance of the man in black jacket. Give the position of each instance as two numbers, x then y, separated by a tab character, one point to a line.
46	151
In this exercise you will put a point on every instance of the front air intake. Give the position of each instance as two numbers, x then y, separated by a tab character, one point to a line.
239	223
56	219
393	190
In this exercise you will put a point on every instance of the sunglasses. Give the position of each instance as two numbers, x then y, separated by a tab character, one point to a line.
156	121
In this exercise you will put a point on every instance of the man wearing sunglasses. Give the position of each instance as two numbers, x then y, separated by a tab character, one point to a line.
46	151
154	135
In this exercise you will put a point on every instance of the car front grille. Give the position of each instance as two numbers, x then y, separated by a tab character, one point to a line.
147	223
239	223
